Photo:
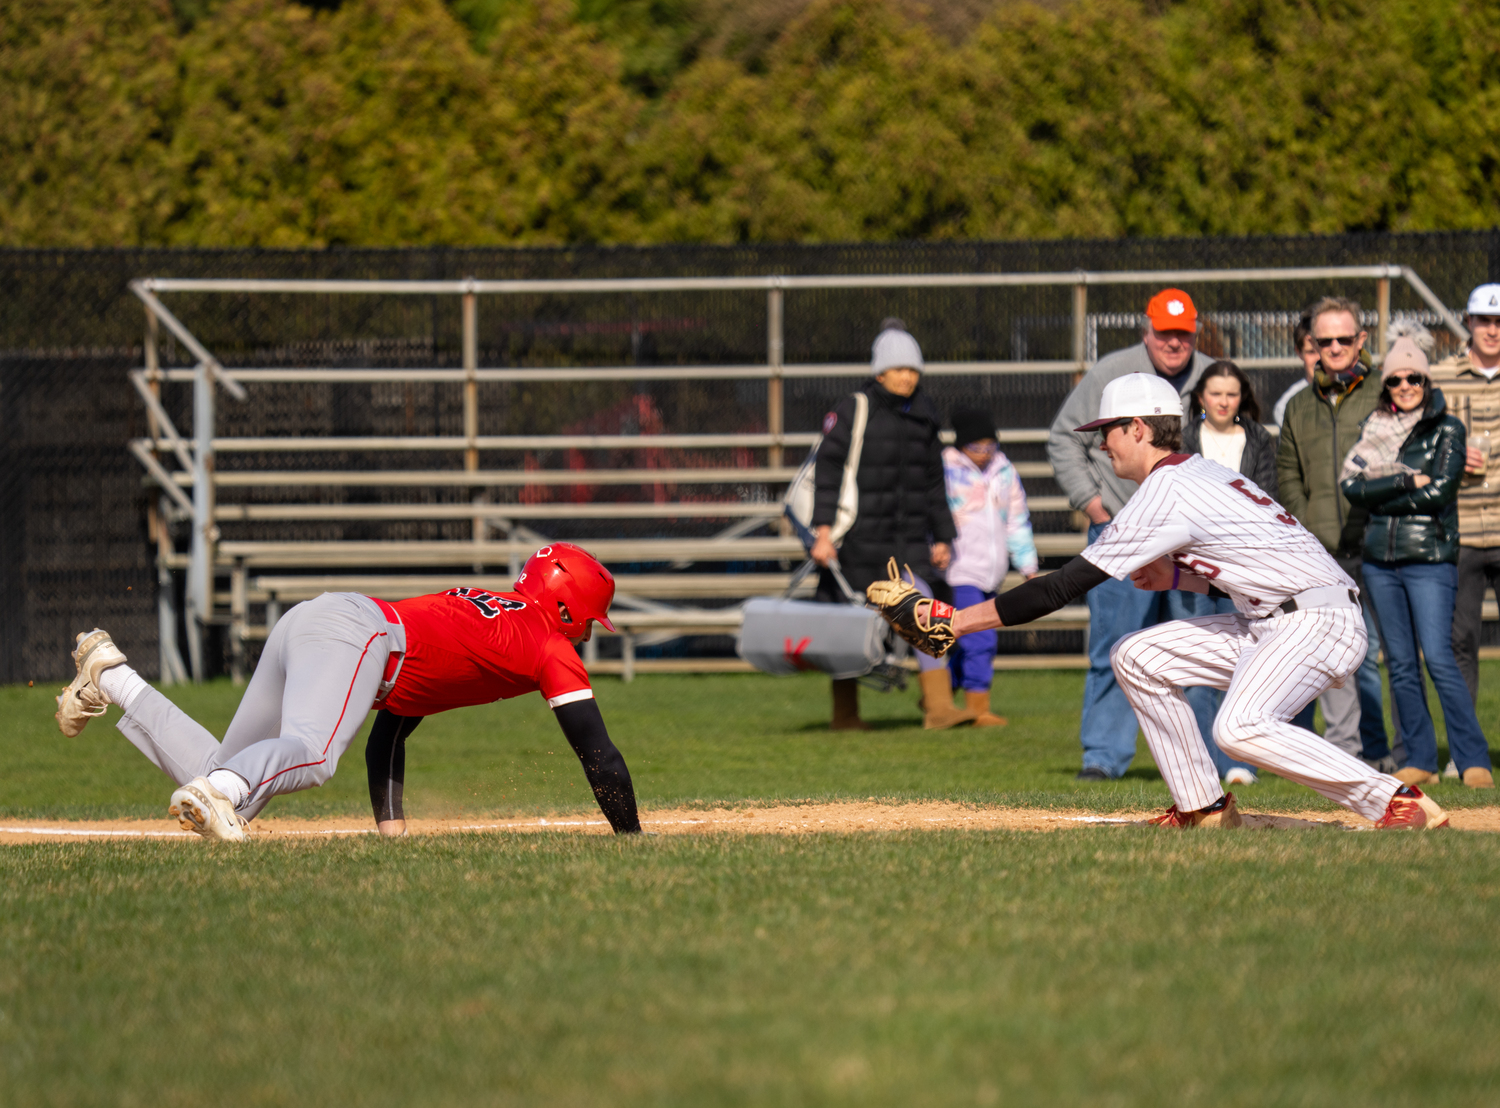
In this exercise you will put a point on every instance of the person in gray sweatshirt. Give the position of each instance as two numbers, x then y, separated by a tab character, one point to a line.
1168	348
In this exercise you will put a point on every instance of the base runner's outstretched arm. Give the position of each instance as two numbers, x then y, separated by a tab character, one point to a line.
603	763
385	761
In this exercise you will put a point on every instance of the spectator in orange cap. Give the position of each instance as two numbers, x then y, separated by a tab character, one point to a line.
1168	348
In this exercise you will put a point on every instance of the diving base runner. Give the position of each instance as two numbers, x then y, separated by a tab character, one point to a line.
329	660
1296	630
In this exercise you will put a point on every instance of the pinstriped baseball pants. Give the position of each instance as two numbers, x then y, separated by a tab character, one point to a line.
1269	669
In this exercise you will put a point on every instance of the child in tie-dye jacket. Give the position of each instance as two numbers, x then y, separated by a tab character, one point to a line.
994	533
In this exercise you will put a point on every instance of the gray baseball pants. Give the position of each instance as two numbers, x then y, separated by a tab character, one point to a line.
320	672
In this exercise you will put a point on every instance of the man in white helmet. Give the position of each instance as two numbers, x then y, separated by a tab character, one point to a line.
1471	384
1197	526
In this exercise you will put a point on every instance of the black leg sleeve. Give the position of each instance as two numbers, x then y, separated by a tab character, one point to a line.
603	763
385	760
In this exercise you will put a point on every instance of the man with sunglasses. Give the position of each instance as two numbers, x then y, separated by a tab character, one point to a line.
1168	350
1320	426
1471	384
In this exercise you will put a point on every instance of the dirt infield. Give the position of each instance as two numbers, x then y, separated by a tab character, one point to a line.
786	819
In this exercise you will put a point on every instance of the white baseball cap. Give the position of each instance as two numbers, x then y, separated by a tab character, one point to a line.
1485	300
893	349
1135	394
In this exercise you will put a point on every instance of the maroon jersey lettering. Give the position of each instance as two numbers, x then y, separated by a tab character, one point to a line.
1203	569
1240	486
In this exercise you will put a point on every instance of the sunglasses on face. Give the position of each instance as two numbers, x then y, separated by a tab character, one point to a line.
1342	340
1484	322
1401	380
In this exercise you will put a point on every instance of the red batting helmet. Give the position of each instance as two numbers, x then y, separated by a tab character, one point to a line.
570	576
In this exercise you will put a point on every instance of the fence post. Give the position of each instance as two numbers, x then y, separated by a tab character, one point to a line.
1080	324
239	621
153	369
200	590
1382	313
172	672
153	384
775	352
156	520
471	404
471	381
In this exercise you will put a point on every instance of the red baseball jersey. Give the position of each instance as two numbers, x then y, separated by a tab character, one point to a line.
469	646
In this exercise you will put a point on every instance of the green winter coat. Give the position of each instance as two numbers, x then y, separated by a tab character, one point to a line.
1410	524
1316	434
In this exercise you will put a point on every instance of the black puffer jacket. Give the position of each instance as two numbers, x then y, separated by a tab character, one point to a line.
1410	524
903	503
1257	462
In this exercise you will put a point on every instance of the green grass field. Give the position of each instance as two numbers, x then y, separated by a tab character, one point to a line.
1103	966
706	739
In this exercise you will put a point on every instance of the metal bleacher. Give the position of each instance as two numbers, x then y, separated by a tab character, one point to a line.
702	535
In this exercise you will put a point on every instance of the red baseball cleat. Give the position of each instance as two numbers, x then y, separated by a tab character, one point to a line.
1411	810
1221	813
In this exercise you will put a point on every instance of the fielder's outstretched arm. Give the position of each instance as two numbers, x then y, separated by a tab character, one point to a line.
385	762
603	763
1035	598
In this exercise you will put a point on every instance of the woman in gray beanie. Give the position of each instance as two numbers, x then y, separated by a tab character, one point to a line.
902	504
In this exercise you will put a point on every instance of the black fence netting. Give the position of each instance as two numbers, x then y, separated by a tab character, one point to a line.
75	550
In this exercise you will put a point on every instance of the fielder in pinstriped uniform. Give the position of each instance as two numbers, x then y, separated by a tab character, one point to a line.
1296	631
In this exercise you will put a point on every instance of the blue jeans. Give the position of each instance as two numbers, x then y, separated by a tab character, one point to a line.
972	659
1372	737
1414	601
1304	719
1116	608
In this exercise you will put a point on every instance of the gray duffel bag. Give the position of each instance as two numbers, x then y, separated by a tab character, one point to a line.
784	636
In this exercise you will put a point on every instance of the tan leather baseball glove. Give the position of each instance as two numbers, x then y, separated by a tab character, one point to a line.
926	624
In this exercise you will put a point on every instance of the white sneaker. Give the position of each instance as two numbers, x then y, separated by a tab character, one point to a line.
1451	769
1239	775
84	699
200	807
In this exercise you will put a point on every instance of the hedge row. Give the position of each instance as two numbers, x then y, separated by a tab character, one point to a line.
375	122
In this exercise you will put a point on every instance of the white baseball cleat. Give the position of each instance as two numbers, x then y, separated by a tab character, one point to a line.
84	699
198	806
1239	775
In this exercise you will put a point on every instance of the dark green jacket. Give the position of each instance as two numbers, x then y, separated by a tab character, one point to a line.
1315	436
1410	524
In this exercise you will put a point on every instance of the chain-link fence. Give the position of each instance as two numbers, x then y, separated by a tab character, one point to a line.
75	551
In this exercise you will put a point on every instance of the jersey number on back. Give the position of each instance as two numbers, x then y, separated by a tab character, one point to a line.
1264	501
488	603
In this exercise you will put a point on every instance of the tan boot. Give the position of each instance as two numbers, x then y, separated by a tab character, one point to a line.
846	707
1477	777
938	711
1411	775
979	703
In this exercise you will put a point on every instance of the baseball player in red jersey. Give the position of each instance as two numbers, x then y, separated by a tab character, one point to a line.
329	660
1296	630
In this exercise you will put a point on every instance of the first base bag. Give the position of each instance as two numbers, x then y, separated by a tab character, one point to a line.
787	636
